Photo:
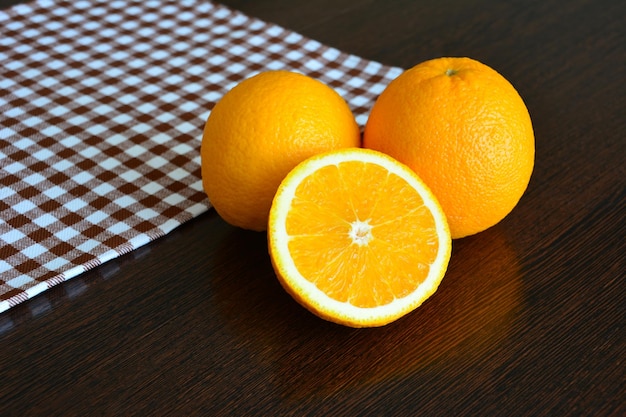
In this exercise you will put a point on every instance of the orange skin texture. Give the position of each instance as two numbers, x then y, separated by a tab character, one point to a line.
465	130
259	131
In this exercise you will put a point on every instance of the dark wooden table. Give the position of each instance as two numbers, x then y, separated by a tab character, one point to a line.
529	319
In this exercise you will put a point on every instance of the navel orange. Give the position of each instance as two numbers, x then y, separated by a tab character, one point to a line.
465	130
259	131
357	238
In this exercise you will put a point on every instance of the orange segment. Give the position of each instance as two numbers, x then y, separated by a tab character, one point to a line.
357	238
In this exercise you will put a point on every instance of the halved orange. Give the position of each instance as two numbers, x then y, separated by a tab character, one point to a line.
357	238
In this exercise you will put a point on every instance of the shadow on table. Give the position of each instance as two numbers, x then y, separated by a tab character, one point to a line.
465	324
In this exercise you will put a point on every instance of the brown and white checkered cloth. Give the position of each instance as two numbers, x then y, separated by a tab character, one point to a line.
102	105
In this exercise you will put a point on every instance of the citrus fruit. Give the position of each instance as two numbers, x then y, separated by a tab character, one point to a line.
357	238
466	132
259	131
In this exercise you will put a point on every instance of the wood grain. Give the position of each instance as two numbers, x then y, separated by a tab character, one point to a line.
529	320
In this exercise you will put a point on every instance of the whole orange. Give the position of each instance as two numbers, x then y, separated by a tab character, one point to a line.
259	131
465	130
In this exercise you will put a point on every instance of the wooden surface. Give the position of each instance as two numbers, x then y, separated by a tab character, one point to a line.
529	320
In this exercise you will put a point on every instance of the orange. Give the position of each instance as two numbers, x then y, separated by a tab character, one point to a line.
259	131
465	130
357	238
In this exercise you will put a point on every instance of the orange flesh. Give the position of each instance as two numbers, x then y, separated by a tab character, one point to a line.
354	246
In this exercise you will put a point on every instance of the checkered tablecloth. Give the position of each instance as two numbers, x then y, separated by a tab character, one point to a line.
102	105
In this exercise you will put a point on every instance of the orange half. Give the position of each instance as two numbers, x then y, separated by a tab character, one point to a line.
357	238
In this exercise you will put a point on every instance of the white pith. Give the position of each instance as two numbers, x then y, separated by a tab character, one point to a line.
361	232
